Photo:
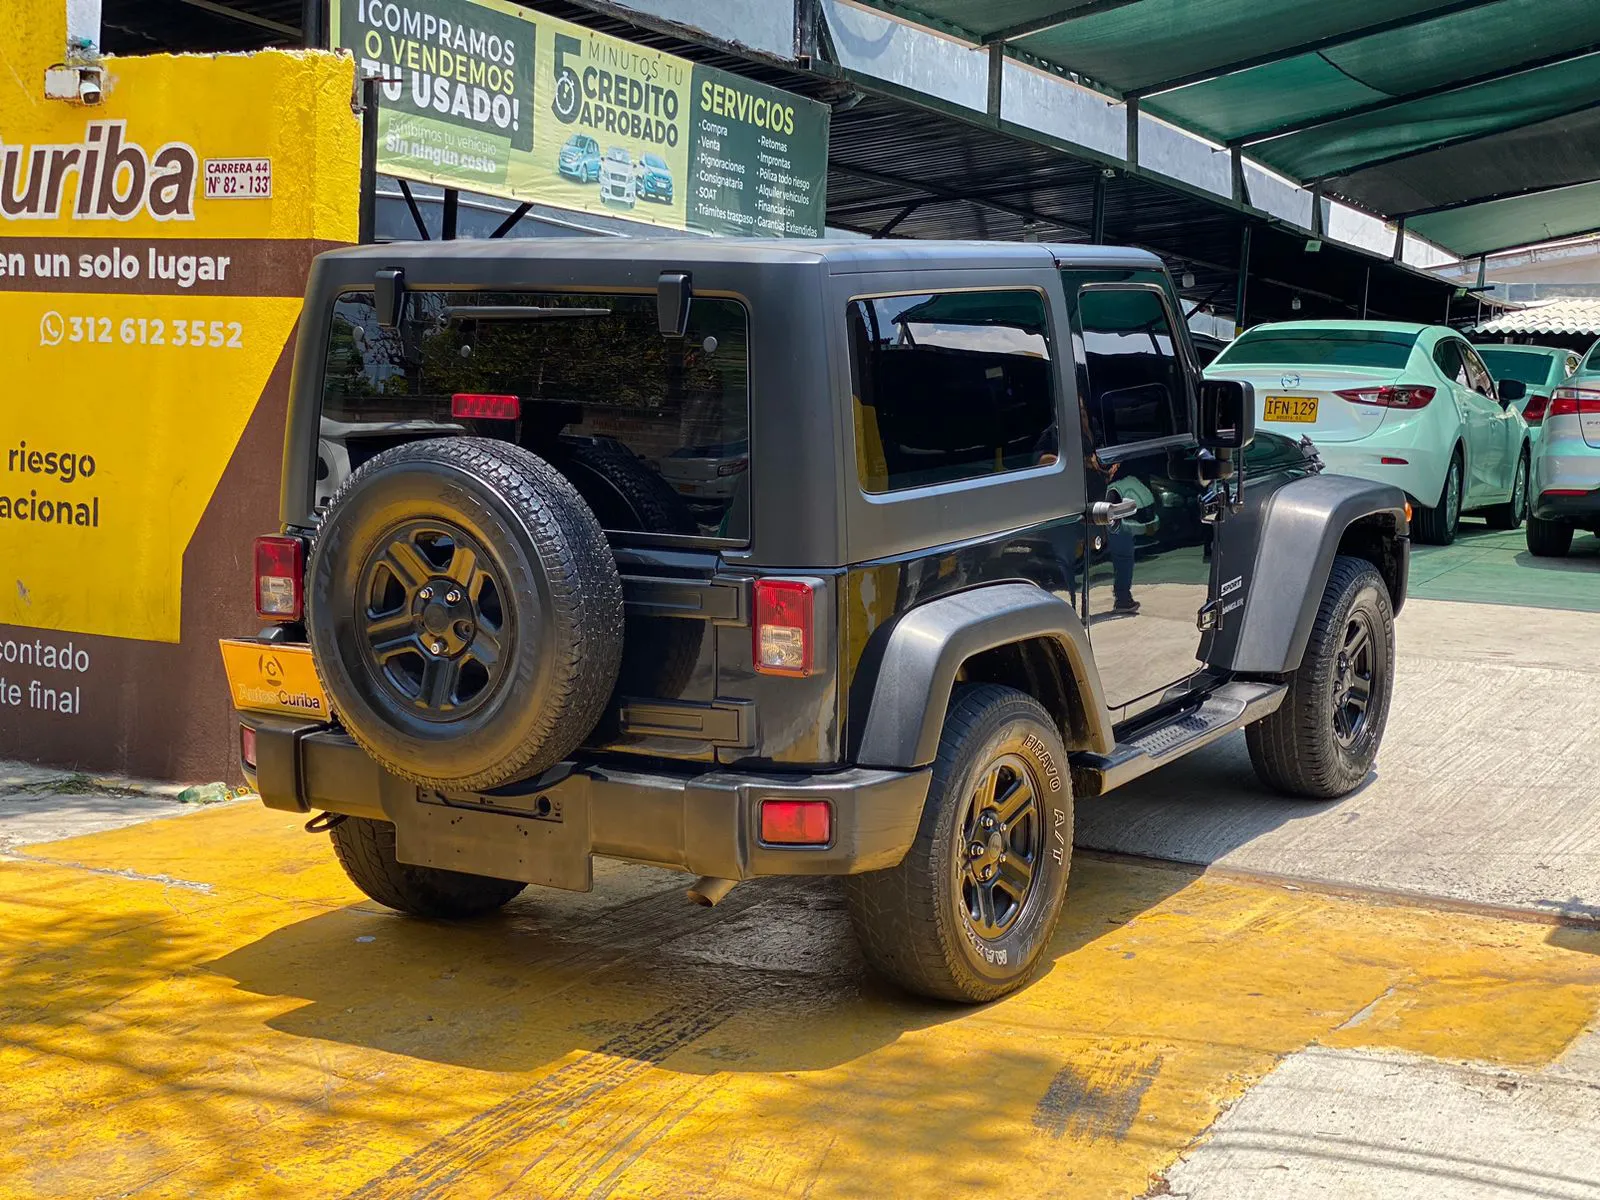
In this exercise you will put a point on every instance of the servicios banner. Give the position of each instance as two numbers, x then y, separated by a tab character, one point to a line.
488	97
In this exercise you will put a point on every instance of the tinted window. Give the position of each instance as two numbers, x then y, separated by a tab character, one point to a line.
949	386
1592	361
1478	377
1320	347
601	392
1522	365
1137	390
1447	356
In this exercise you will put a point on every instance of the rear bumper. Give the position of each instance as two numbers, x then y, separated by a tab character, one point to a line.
1420	476
1565	463
1580	510
706	823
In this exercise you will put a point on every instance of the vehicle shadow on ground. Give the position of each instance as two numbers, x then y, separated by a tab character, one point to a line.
1200	809
769	980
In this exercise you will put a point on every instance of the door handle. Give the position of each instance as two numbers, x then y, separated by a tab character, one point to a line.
1108	512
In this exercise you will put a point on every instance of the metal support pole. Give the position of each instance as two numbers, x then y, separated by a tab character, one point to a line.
1483	267
452	204
511	220
1400	240
1236	163
311	23
1097	228
1316	211
1366	286
416	213
367	203
1133	131
997	75
1243	296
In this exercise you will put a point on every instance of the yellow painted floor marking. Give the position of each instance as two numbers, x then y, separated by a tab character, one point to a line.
228	1021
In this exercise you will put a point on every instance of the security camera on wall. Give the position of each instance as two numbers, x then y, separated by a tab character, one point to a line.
74	83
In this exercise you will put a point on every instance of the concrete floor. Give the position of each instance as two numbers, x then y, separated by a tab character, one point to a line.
203	1005
1487	788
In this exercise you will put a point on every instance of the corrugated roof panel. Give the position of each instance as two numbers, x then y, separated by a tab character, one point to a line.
1579	316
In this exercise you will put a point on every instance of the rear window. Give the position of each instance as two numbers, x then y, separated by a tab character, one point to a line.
1516	364
653	431
950	386
1320	347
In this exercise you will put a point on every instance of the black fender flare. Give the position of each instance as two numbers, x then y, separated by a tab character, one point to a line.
1298	534
926	648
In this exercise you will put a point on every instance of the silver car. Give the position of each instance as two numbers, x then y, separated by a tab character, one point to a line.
1565	491
1541	369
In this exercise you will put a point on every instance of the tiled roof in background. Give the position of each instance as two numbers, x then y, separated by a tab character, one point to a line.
1577	315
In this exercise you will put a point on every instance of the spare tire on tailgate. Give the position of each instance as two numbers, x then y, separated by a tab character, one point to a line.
465	613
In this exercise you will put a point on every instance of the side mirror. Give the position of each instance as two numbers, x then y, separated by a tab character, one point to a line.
1227	414
1511	389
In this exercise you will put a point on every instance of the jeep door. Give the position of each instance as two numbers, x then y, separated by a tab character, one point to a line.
1147	574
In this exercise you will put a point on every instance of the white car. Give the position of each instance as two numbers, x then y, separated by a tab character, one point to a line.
618	177
1411	405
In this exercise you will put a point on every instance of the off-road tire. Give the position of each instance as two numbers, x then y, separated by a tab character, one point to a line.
1549	539
911	920
365	849
1433	525
1511	514
561	625
626	492
1295	749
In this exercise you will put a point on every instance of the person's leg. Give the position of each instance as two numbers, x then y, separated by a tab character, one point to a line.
1119	542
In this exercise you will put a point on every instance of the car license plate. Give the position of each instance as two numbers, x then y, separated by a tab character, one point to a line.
266	677
1300	409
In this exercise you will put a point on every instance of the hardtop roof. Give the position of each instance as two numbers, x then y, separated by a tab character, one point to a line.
839	257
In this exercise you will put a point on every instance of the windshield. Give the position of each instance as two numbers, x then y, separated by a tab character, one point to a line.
1320	347
1525	366
652	160
618	154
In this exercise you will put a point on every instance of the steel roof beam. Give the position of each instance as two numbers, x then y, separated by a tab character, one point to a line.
1463	140
1053	20
234	14
945	193
1581	233
1442	89
1519	194
1311	47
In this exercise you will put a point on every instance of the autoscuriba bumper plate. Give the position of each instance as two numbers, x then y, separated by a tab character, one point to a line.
270	677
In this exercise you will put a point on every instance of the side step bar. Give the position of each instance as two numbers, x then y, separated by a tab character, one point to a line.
1232	706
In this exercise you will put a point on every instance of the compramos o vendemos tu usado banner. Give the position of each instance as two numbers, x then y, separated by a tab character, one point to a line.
488	97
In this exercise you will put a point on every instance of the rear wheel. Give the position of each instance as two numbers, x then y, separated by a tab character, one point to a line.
1549	539
1324	739
1437	525
970	911
1510	514
366	852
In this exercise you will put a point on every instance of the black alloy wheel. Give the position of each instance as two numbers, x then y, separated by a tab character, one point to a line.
1003	838
433	621
1353	674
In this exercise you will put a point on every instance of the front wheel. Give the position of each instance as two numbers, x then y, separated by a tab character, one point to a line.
1510	514
1549	539
1437	525
1324	739
969	913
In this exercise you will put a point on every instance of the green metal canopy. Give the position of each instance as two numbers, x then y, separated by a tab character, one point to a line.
1476	120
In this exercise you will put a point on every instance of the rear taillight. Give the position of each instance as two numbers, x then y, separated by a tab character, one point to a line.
480	406
783	626
1533	414
1410	396
796	822
1570	401
247	746
280	566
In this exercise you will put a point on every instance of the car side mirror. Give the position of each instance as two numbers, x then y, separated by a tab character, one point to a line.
1511	389
1227	414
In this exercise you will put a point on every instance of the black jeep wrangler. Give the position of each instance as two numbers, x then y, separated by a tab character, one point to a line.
751	558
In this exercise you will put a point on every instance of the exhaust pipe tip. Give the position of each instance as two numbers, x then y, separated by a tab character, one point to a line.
709	890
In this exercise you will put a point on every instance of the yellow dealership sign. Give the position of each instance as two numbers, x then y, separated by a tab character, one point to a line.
147	295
